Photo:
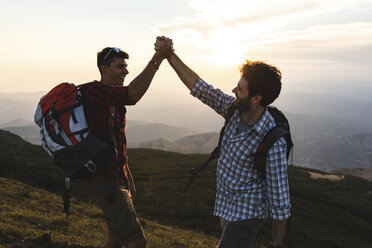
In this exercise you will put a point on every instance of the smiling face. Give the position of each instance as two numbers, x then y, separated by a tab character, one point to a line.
114	74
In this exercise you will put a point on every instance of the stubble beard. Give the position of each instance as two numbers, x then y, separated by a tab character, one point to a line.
244	105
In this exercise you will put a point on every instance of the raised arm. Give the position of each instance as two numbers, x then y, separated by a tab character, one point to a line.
187	76
138	87
214	98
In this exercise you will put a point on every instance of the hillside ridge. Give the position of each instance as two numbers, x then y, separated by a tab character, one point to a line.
321	208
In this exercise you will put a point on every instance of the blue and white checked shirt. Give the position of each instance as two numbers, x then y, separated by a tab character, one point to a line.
241	193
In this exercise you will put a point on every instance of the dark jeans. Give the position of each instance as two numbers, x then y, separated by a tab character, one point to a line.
239	234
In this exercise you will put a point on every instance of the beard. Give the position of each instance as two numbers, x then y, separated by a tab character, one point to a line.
244	105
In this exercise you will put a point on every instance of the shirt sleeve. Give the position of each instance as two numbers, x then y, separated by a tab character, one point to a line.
277	187
214	98
103	95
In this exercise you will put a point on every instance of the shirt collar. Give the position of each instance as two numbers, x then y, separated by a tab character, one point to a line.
262	124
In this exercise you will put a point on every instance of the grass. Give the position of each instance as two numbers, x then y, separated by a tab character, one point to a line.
325	213
32	217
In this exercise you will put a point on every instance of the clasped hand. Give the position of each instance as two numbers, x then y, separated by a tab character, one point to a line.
164	45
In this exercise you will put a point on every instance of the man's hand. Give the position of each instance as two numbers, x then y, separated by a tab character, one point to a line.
164	46
279	230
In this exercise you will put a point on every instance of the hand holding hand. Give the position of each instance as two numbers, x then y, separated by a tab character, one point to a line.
164	46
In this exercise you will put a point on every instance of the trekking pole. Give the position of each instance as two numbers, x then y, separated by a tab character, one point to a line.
214	154
66	199
195	171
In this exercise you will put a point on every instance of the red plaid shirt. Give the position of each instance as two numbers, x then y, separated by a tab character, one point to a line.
97	99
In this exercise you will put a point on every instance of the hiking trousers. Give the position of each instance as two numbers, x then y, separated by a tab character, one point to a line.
239	234
123	224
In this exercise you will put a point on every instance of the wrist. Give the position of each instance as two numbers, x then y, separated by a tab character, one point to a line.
159	56
170	54
155	63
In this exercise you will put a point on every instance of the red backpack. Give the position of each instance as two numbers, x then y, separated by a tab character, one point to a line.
65	134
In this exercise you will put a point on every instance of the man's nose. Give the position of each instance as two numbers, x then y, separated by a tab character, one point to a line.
234	90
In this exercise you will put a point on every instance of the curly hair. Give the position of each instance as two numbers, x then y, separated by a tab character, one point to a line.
263	79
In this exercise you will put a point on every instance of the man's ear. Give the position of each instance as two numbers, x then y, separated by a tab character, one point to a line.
256	100
103	69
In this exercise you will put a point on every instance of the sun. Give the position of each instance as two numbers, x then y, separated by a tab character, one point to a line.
226	56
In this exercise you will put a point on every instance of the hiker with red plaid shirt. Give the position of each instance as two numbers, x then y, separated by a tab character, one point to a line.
104	105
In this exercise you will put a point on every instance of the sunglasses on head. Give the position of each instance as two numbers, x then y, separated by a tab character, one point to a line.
112	49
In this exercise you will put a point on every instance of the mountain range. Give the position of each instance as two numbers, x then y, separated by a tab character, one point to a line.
326	152
327	134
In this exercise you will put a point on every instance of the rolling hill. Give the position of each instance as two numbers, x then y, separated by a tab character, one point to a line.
136	131
29	133
16	123
329	153
325	213
365	173
321	130
199	143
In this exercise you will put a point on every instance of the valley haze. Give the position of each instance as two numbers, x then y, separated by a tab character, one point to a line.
329	131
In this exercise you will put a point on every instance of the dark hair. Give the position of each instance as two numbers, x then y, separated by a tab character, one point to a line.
263	79
104	59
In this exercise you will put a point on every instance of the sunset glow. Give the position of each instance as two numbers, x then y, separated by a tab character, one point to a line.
45	42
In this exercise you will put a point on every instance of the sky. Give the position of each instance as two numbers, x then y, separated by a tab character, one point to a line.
322	46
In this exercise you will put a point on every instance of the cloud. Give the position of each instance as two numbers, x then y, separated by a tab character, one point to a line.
247	27
330	37
222	9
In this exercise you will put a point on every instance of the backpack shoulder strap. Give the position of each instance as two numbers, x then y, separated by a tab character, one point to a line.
280	130
112	156
230	113
282	121
268	141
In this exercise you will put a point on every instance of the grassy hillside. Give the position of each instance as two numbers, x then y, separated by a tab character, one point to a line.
30	217
325	213
28	163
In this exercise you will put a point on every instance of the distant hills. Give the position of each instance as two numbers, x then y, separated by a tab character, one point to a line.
141	132
200	143
325	213
28	133
18	106
365	173
332	152
136	131
17	123
323	129
325	151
